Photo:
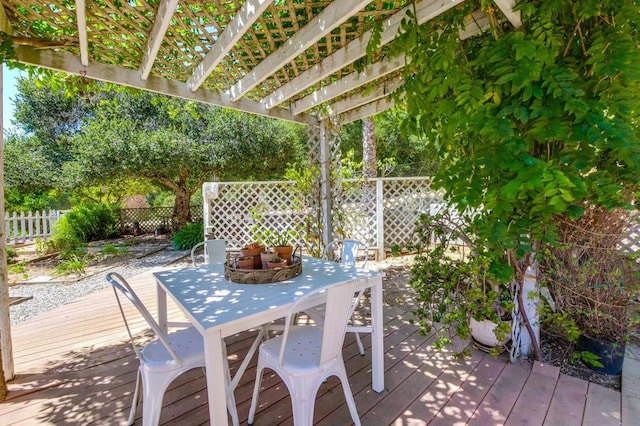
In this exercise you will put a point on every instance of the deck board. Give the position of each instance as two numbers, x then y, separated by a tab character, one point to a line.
74	365
504	392
602	407
567	406
533	403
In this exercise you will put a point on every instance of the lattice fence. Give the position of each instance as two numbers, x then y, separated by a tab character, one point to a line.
152	219
355	212
404	201
250	211
253	211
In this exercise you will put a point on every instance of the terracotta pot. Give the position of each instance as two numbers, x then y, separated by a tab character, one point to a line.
245	262
255	253
272	265
285	253
266	256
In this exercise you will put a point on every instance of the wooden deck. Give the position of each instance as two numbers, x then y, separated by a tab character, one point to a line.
75	366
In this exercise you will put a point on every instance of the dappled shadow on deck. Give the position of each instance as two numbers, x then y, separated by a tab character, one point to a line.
75	366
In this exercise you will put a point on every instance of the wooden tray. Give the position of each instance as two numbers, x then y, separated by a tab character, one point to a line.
263	276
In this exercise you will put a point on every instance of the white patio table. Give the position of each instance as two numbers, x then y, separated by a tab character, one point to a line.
219	308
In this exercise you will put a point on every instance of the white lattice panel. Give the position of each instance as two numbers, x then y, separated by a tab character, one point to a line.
354	212
404	201
240	211
246	211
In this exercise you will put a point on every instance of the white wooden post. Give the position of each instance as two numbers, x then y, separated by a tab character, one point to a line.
530	299
39	218
6	347
380	218
209	192
325	184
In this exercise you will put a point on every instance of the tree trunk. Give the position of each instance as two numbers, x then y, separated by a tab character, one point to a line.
181	209
369	157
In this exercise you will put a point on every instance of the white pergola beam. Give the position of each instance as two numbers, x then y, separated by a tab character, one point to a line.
477	23
506	6
366	111
81	18
356	49
354	80
163	18
330	17
250	11
355	101
69	63
5	24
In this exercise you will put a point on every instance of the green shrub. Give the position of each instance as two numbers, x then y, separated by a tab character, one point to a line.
85	223
17	268
71	265
190	235
11	254
113	250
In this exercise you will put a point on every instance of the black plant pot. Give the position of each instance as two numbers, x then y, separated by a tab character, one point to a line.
611	354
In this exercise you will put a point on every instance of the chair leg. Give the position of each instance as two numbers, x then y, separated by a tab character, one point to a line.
254	398
136	399
348	396
153	388
359	342
303	401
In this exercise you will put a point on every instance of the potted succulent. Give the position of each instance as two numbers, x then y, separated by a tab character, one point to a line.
276	262
457	286
267	255
591	284
280	242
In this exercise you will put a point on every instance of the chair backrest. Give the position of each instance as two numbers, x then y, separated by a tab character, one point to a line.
214	251
346	251
338	311
120	285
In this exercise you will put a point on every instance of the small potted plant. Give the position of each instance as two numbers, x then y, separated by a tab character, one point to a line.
457	288
267	256
253	249
281	245
276	263
245	262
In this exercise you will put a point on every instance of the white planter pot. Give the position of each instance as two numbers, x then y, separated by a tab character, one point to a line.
482	332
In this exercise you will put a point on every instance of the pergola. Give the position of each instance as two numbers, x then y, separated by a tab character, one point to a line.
295	60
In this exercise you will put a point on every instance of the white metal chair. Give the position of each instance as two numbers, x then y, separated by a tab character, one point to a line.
345	252
162	360
214	251
304	357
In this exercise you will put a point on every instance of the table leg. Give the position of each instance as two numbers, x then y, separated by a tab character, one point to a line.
162	307
377	337
216	373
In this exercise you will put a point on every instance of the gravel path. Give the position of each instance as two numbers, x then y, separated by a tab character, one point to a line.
51	295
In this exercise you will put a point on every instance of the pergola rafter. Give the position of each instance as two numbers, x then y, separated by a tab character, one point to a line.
355	50
82	32
249	12
332	16
163	18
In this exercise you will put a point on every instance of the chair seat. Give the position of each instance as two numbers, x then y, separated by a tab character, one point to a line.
186	343
302	350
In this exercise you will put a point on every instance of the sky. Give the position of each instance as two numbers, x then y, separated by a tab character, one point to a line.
9	92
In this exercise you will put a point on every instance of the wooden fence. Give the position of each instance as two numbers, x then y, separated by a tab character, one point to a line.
24	227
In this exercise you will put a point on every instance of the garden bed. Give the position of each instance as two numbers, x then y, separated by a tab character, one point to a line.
32	267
